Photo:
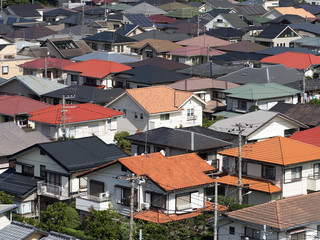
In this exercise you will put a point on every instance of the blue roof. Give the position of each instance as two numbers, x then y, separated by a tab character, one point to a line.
139	19
125	29
114	57
11	20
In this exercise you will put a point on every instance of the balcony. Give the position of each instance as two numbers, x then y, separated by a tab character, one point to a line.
192	117
84	202
313	182
54	191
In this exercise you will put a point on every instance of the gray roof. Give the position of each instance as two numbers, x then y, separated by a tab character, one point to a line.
221	3
114	57
178	138
144	8
253	121
307	27
155	34
310	42
16	231
14	139
7	207
76	30
235	20
37	85
277	74
277	50
79	154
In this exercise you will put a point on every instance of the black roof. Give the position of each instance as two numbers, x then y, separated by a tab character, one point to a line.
272	31
310	85
86	94
225	33
80	154
211	133
58	12
76	19
109	37
17	184
153	75
160	62
237	56
277	50
155	34
178	138
26	10
288	19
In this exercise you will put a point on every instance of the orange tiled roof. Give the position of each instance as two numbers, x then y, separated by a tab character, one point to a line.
158	216
159	99
277	150
157	44
170	173
254	184
294	11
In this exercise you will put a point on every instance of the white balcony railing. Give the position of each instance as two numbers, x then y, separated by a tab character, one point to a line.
85	202
192	117
52	190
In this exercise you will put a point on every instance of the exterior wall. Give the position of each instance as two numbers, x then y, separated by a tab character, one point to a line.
276	42
189	60
218	22
4	221
107	47
13	66
56	75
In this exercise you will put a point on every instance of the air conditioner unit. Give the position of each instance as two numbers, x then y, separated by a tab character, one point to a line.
104	194
145	205
141	181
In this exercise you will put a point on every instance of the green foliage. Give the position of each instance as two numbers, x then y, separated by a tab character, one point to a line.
315	102
253	108
60	139
103	224
207	122
77	233
152	230
121	142
5	198
30	221
19	2
59	215
231	203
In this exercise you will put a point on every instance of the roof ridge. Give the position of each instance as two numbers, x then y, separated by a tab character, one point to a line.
280	145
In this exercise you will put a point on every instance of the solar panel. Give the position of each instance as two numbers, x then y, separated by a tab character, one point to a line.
139	19
11	20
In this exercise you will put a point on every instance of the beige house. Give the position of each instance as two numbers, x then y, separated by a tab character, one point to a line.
10	61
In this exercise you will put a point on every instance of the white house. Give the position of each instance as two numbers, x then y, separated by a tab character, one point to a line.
159	106
160	184
81	120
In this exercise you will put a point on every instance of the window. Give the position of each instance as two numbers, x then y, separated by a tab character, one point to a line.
165	116
141	115
124	111
28	170
94	46
123	168
135	115
292	175
231	230
96	187
289	132
268	172
158	149
298	236
141	149
125	196
74	79
183	201
149	54
190	113
242	105
68	44
316	170
42	171
5	70
219	20
251	233
158	201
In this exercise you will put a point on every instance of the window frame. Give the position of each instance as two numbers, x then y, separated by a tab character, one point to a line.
3	70
252	233
265	172
165	117
241	104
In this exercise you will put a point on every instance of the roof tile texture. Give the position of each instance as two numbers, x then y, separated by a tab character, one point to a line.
157	44
310	136
204	41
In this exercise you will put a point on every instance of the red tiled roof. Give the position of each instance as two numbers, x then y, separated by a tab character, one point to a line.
254	184
74	113
195	51
14	105
293	60
277	150
170	173
96	68
159	216
51	63
310	136
161	19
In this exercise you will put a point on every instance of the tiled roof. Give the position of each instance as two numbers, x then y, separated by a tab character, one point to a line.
76	113
96	68
144	8
273	31
183	13
51	63
283	214
195	51
294	11
109	37
172	6
204	41
159	99
170	173
243	46
113	57
157	44
15	105
293	60
161	19
159	216
155	34
161	63
277	150
254	184
33	32
310	136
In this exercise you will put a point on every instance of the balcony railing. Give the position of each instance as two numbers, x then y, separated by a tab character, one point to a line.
85	202
192	117
52	190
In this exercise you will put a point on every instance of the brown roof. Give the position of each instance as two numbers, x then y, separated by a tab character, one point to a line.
159	99
204	41
172	6
254	184
33	32
160	62
214	105
277	150
195	51
243	46
157	44
82	48
282	214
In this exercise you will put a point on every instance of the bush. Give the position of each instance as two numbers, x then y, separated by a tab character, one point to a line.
77	233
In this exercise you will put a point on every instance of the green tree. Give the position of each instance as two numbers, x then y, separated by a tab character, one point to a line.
315	102
5	198
59	215
121	142
254	108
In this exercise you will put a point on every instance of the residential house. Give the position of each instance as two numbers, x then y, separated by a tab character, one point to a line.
129	30
27	11
259	125
146	76
190	29
228	34
178	141
288	19
13	139
34	51
156	34
138	19
49	68
308	43
183	13
204	41
274	220
262	96
277	35
96	73
30	33
236	58
29	86
15	109
228	20
109	41
56	14
173	6
251	10
305	113
306	29
310	136
76	121
160	19
243	46
9	61
277	50
52	168
145	9
162	187
161	63
152	107
77	19
279	11
271	170
66	47
151	48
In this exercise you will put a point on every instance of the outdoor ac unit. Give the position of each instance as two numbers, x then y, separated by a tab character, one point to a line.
104	194
145	205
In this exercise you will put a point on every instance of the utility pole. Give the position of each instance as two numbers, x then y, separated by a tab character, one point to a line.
264	233
82	15
64	118
215	236
303	86
198	26
240	165
45	68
